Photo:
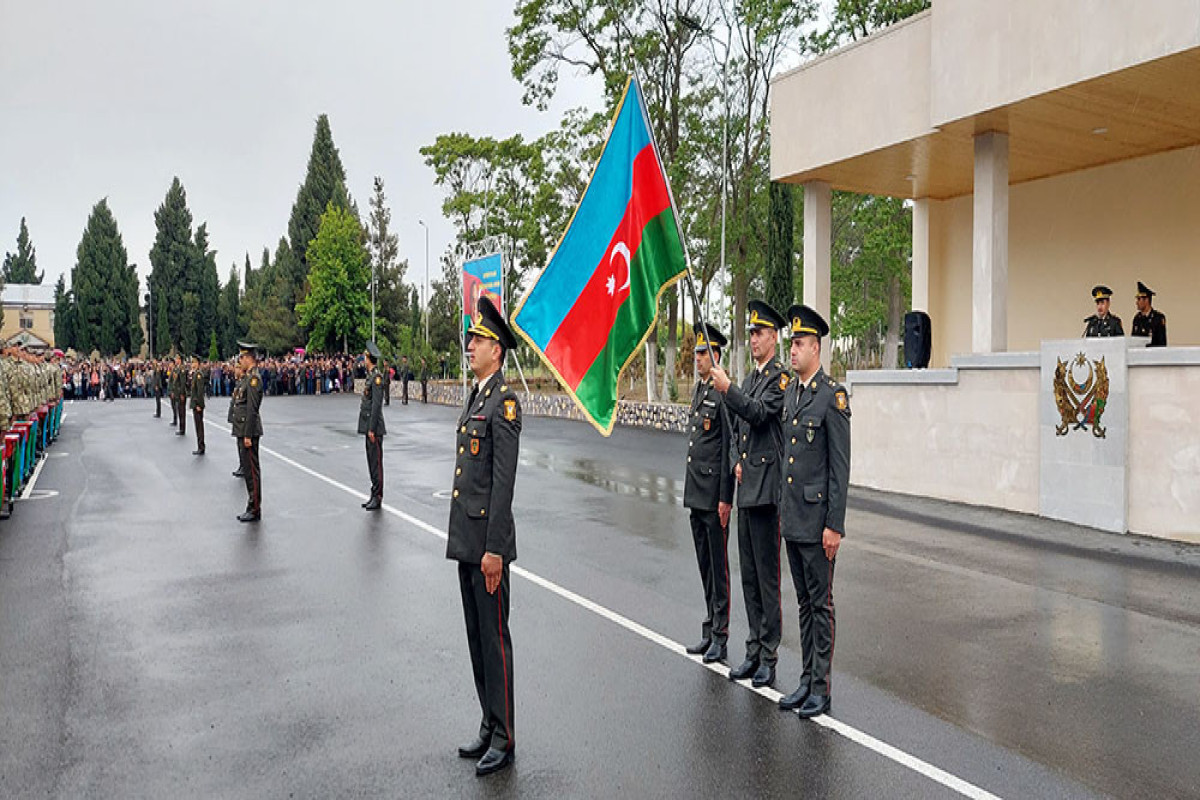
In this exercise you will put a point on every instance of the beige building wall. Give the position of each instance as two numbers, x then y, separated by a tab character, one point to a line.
43	323
1116	225
1164	452
986	54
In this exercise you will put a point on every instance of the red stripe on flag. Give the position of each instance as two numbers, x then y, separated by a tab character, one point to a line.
584	331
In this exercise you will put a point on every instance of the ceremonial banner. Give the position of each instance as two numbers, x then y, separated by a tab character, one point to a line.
593	306
482	277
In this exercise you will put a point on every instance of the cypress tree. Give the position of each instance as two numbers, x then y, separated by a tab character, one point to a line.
780	247
105	286
324	183
21	266
62	315
171	258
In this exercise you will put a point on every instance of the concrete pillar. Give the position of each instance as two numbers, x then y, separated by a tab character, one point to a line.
818	238
989	285
920	254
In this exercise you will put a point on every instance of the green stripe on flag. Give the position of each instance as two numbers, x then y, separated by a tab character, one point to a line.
657	263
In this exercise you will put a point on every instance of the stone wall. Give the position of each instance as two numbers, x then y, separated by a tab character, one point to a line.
658	416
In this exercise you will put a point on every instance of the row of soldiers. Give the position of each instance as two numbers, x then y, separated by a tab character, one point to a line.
27	382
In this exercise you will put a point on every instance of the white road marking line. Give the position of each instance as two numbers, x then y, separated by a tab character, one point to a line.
868	741
37	470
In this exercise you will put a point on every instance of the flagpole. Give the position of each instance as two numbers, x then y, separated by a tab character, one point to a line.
675	209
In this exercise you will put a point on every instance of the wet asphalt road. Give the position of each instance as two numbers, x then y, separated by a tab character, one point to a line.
152	646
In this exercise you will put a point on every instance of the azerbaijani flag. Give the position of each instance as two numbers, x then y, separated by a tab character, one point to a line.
596	301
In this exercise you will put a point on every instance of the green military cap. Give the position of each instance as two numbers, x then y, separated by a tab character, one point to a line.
1101	292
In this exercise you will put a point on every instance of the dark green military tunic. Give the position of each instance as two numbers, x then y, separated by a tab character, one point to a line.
481	521
198	386
816	474
247	424
1108	325
758	446
370	420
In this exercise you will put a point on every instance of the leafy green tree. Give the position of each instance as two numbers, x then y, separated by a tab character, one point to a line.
270	322
780	248
21	266
337	309
214	352
105	288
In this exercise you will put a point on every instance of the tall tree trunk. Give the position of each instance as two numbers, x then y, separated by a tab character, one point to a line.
651	364
891	347
672	343
737	366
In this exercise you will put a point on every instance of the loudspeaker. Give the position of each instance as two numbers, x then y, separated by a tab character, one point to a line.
918	339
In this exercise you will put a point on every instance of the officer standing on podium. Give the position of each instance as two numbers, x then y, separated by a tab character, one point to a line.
816	468
756	451
482	537
708	494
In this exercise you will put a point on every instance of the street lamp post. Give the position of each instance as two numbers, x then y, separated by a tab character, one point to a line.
421	222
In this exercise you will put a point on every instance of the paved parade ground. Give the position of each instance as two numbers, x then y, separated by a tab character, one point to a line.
153	646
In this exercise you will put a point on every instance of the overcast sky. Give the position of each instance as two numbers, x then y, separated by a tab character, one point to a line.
112	99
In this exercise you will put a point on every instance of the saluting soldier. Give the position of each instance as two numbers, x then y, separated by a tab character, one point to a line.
1102	323
370	423
197	391
1149	321
247	428
816	468
755	453
708	493
482	536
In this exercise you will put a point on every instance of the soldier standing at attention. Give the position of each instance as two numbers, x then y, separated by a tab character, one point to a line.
237	377
816	468
1103	323
756	451
247	429
156	386
1149	321
708	493
387	383
198	384
482	537
172	373
180	393
370	422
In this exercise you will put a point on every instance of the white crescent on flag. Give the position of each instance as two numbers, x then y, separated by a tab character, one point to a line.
621	249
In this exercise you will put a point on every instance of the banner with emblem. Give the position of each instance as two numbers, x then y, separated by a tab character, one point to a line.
481	277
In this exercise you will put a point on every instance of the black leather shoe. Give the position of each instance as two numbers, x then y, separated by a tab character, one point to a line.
764	677
249	516
716	652
197	452
180	433
796	699
237	473
699	649
816	705
494	760
374	505
475	749
746	669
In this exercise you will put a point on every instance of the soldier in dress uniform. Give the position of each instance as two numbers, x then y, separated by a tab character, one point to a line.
816	468
247	429
1149	321
172	375
756	450
156	387
371	424
1102	323
238	372
179	392
482	536
198	383
708	493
